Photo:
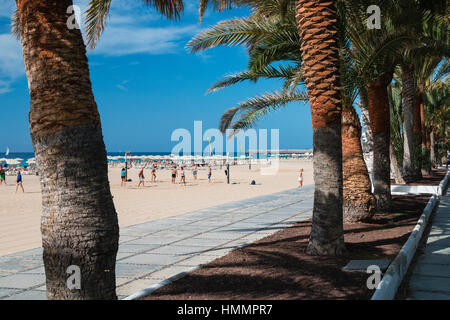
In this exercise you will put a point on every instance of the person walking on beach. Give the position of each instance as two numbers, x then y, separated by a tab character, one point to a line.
2	175
154	174
182	176
19	182
122	176
141	178
194	172
174	174
209	173
300	179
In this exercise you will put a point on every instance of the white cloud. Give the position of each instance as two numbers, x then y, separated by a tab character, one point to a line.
119	41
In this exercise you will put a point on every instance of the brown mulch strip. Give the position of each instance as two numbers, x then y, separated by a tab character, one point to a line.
277	267
432	179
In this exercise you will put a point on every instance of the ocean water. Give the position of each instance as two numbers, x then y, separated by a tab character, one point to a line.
28	155
24	156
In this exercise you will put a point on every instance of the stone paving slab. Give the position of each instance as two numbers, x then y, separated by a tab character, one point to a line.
167	248
425	269
430	277
427	295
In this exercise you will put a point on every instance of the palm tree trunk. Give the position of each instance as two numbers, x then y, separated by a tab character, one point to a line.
365	116
380	124
432	149
418	139
359	202
79	223
394	165
408	96
425	159
317	24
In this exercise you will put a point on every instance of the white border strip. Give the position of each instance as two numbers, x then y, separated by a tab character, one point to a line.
393	277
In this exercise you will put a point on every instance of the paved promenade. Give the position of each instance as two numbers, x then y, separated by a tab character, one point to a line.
155	251
431	272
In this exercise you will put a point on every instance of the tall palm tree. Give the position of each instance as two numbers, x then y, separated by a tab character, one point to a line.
318	30
79	222
282	44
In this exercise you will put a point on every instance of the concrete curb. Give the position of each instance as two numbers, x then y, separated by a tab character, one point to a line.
443	184
394	275
147	291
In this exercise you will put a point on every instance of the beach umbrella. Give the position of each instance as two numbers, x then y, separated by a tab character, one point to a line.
31	160
12	161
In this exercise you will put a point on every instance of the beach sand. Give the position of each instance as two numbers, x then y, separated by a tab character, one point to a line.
20	213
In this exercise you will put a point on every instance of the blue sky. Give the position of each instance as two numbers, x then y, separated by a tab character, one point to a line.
145	82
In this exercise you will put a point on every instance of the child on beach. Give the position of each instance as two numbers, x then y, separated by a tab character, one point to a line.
174	174
19	182
209	173
182	176
2	175
194	172
141	177
122	176
300	179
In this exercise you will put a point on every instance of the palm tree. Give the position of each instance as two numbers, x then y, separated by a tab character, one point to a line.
282	45
79	222
322	79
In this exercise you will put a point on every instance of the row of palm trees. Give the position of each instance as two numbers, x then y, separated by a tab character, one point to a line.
322	44
411	44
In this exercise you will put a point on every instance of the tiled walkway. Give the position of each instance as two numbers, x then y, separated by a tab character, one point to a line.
154	251
430	279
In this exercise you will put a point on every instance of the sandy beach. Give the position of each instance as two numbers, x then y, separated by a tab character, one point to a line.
20	213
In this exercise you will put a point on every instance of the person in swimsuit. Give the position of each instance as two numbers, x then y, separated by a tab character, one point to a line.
209	173
141	178
300	179
154	174
182	176
122	176
174	174
194	172
2	175
19	182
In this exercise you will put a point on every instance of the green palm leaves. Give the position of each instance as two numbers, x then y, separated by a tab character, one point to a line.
98	10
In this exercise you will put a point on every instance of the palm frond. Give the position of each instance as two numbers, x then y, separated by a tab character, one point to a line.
254	109
269	72
98	10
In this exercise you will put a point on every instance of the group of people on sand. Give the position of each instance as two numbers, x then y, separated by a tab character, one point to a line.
174	173
19	182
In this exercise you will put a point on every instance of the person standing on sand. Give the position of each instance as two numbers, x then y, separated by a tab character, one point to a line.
300	179
154	174
174	174
122	176
141	177
194	172
182	176
19	182
209	173
2	175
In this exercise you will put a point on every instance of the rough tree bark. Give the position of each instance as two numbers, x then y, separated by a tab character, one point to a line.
317	24
380	124
79	222
394	165
359	202
408	96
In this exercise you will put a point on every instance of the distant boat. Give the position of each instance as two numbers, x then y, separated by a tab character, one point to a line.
7	151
